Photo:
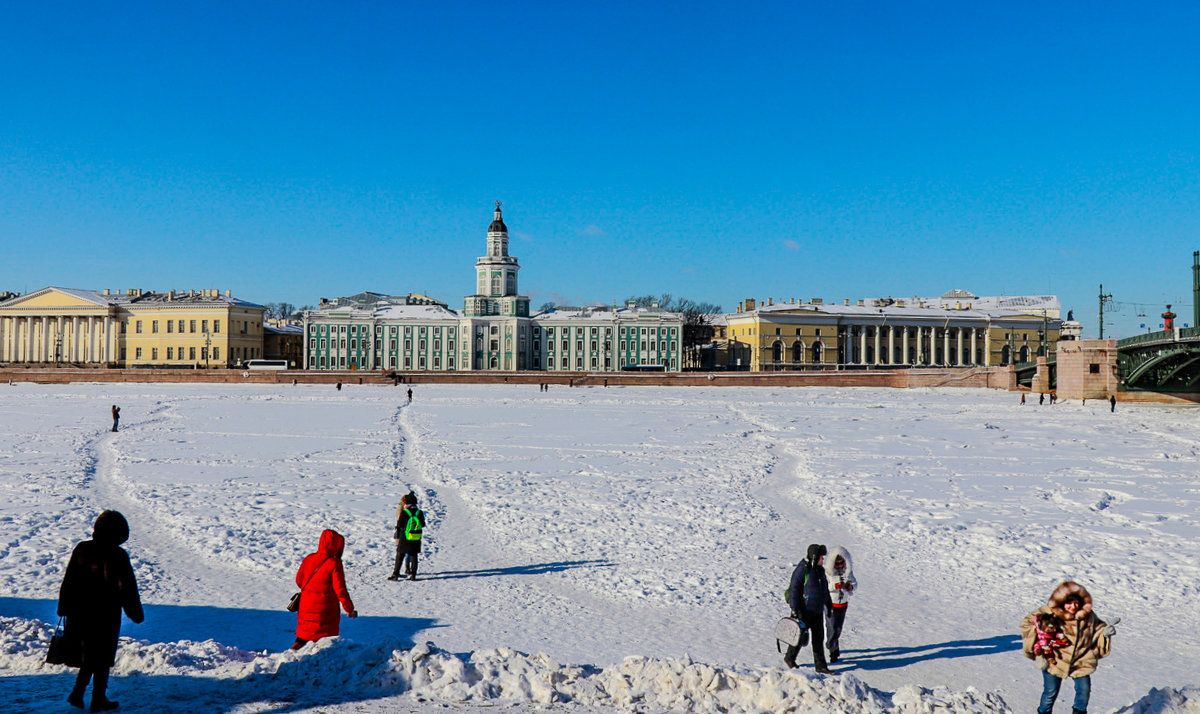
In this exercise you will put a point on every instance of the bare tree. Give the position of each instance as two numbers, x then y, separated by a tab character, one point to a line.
698	329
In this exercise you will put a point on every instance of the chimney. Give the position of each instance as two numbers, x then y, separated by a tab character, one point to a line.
817	301
105	291
228	293
749	304
770	301
846	302
860	303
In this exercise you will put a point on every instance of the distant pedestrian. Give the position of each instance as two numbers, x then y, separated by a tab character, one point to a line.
606	381
1053	396
1112	402
97	585
116	413
808	597
1022	398
839	571
410	526
322	582
339	386
410	395
1088	640
1041	398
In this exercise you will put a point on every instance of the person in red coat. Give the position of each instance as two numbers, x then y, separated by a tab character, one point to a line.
322	583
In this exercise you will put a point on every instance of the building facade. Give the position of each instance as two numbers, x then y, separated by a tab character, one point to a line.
885	333
494	332
135	328
602	339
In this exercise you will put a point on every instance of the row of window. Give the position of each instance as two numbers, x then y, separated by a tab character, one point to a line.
631	345
190	326
390	362
190	353
323	343
379	329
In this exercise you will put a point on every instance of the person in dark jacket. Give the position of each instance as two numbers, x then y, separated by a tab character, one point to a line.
808	598
96	587
116	412
410	525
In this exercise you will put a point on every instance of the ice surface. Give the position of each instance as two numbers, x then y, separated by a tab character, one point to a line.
599	549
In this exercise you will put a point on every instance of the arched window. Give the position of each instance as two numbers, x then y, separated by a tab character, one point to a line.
1025	353
1006	355
512	283
496	284
816	352
777	352
797	352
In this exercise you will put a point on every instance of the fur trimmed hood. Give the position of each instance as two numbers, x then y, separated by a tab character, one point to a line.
1065	590
831	558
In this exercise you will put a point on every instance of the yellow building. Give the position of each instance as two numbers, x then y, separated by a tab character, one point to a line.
775	336
135	328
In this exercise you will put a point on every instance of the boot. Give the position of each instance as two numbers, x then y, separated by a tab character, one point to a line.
75	699
1077	711
824	670
100	702
789	663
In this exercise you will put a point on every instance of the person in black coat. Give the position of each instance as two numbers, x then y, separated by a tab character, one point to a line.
808	597
96	587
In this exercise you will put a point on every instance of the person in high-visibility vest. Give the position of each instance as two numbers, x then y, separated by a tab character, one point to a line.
410	526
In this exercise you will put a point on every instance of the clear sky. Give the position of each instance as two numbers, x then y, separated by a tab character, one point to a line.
713	150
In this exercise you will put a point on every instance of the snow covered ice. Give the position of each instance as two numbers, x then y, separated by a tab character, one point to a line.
595	550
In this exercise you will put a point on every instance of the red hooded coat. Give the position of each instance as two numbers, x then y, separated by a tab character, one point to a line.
326	585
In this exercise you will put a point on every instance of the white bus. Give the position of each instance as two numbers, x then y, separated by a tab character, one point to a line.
279	364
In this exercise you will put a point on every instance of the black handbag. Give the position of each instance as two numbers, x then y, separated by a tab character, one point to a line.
64	649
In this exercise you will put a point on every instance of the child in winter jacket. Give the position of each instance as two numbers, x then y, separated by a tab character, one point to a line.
1049	639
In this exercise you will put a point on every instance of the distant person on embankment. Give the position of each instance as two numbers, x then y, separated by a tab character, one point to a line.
322	582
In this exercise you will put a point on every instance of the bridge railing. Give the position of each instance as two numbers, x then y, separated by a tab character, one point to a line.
1185	333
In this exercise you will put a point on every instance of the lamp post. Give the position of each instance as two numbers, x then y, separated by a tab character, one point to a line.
207	347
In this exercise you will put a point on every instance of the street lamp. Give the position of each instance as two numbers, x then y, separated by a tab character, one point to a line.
207	346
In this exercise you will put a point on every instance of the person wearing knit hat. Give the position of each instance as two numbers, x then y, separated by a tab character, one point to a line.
808	597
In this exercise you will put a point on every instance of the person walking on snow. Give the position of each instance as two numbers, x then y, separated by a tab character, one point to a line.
116	412
410	525
808	597
840	573
1089	639
410	395
97	585
322	582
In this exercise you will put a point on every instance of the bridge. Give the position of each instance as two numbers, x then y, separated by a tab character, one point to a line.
1164	361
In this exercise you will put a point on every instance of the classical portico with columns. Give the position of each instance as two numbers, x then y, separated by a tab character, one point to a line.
56	325
783	335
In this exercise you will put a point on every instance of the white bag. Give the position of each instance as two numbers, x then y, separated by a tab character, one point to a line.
791	632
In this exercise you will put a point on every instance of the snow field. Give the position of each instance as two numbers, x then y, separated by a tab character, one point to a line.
618	529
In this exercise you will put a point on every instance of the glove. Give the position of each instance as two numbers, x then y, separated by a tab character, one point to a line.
1111	628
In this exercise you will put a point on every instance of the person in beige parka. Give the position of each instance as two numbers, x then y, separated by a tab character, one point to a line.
1088	640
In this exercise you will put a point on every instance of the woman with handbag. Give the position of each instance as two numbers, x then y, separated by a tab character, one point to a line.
322	583
96	587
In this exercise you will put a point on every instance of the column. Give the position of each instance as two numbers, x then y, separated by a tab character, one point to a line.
107	337
974	346
987	346
862	344
946	345
891	345
959	346
74	338
876	332
904	344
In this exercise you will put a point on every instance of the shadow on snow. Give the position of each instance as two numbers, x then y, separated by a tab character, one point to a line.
895	657
537	569
339	674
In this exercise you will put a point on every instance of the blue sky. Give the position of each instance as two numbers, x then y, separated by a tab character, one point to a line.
289	151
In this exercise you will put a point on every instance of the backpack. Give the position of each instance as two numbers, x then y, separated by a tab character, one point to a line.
787	594
411	529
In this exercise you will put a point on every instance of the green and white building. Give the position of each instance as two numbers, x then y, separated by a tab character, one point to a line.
494	332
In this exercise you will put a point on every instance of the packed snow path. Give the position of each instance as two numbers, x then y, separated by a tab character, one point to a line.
596	524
